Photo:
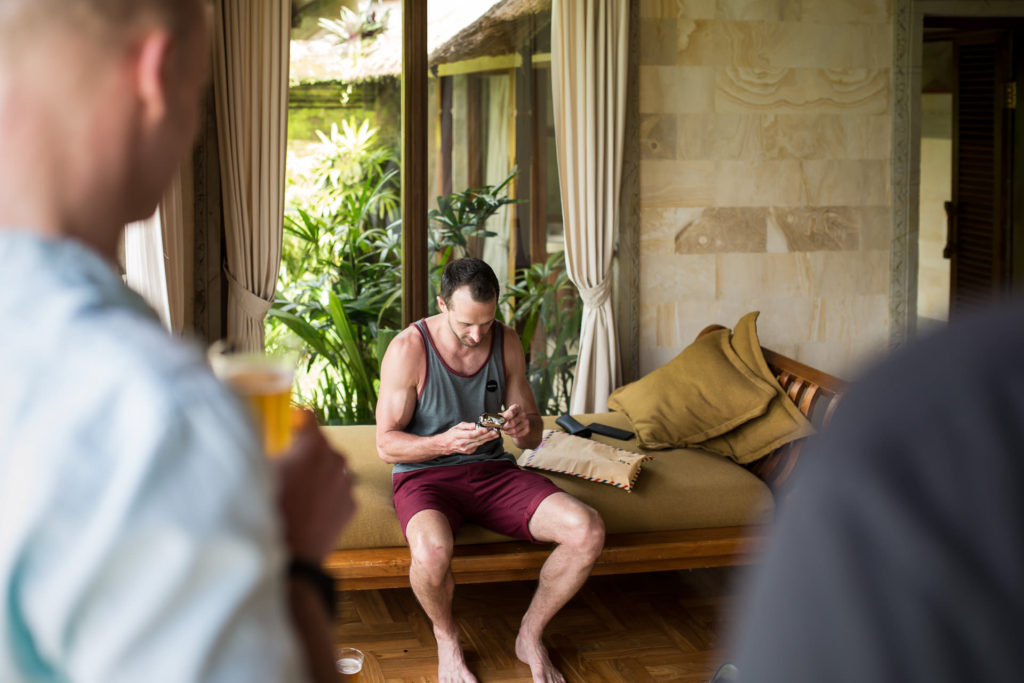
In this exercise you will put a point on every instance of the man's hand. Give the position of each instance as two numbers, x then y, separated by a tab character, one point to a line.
466	437
517	423
314	492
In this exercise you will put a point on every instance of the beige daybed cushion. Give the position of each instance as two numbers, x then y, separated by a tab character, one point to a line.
679	489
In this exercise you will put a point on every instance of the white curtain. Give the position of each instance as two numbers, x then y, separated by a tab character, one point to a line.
250	76
498	166
589	50
157	252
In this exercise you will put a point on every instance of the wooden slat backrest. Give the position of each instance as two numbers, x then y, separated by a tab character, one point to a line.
816	394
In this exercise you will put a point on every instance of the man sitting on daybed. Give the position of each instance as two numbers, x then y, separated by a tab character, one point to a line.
437	378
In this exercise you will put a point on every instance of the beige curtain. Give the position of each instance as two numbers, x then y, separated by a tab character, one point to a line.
250	76
157	252
497	167
589	44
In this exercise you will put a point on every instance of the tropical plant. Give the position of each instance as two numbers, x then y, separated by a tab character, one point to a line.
458	218
340	282
352	26
547	311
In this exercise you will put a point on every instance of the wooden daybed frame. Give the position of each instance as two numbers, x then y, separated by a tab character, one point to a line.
815	392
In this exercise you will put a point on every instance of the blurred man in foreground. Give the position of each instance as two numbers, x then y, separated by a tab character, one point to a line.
900	554
140	536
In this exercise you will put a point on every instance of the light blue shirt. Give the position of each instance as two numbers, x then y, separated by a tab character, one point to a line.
137	536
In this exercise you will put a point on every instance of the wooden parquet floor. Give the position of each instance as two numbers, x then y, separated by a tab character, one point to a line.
643	627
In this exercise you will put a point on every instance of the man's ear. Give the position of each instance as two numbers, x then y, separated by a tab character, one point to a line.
441	305
151	71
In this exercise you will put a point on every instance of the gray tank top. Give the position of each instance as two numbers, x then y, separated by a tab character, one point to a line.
449	397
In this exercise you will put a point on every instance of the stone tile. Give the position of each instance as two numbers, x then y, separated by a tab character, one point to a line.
868	138
721	136
789	276
723	230
822	91
648	326
783	44
676	89
658	226
848	273
785	322
653	357
846	11
658	136
681	9
825	136
657	41
702	43
767	183
804	136
757	10
775	239
861	319
693	315
831	46
665	184
739	276
667	278
845	183
666	326
831	357
818	228
876	228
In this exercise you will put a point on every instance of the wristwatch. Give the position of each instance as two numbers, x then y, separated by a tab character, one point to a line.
320	580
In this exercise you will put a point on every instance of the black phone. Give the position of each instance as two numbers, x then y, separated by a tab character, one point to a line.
613	432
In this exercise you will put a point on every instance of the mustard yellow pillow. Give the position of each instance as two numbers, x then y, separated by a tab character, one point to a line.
704	391
780	423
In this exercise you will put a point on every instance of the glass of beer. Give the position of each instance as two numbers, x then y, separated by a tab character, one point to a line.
264	382
349	663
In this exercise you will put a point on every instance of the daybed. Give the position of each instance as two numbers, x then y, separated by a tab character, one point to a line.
689	508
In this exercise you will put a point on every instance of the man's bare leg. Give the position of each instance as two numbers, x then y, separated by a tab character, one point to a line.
579	532
431	543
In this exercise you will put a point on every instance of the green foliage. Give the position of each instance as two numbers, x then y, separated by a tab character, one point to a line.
339	290
340	278
458	218
548	312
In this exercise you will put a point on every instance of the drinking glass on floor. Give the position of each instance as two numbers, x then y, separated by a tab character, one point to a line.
350	664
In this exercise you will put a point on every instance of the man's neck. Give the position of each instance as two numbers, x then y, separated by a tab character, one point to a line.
451	348
42	187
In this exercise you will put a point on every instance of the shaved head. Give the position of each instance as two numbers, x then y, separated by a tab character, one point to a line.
99	103
109	21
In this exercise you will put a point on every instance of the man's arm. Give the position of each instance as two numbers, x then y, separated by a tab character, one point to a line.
403	365
523	422
315	503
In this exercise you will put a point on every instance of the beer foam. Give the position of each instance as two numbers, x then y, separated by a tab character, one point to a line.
261	381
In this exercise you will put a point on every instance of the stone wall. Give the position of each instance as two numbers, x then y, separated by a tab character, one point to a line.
764	174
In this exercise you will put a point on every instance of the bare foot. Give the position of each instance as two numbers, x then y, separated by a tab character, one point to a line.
451	663
533	653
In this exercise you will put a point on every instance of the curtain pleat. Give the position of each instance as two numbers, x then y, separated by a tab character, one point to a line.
251	93
589	51
154	251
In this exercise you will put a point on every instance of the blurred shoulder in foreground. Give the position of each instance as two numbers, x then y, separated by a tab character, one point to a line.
900	555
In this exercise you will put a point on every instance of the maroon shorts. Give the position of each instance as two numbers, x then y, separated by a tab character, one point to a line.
497	495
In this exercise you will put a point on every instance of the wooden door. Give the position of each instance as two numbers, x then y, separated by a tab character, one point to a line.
979	246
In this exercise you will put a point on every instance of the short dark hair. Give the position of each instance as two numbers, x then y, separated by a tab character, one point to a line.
471	272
